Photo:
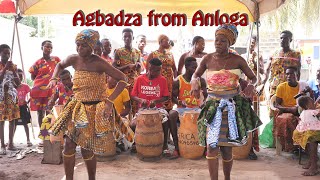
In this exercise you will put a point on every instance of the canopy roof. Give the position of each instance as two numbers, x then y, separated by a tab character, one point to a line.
188	7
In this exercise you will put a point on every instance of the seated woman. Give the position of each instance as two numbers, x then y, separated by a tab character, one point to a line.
286	118
307	133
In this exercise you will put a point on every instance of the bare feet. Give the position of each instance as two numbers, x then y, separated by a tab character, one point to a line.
311	172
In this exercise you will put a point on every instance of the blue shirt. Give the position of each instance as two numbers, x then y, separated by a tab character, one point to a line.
314	85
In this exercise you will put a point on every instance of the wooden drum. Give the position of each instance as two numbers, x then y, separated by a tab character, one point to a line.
242	152
56	112
149	135
188	136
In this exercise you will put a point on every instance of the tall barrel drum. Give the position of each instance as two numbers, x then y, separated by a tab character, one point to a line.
188	136
149	135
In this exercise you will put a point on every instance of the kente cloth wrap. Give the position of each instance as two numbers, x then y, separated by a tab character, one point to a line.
83	118
214	126
91	37
229	31
280	61
127	57
246	119
166	71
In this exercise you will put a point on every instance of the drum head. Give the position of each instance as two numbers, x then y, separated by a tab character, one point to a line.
192	112
273	102
149	111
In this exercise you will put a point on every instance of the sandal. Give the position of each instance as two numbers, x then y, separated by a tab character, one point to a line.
252	156
29	144
166	153
12	148
174	155
133	149
3	151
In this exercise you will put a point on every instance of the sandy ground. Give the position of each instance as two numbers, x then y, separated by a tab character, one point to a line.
269	166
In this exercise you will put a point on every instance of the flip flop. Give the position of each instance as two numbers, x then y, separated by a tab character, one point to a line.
3	151
21	156
29	144
174	155
13	154
252	156
13	149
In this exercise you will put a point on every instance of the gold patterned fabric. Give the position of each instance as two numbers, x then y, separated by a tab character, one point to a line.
83	118
166	71
280	61
126	57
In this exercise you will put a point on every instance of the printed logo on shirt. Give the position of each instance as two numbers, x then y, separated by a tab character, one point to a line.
151	90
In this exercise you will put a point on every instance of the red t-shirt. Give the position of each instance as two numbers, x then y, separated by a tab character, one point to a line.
150	89
23	90
62	93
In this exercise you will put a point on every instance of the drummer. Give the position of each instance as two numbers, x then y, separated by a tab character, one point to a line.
183	99
63	90
150	90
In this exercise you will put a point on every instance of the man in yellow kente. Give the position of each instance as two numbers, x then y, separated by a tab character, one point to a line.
88	118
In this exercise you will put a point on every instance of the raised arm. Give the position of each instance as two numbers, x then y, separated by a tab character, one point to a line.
69	61
195	81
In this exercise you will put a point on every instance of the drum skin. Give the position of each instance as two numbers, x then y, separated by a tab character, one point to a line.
188	136
149	134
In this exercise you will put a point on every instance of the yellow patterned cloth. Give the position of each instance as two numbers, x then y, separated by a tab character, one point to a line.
280	61
167	72
83	118
126	57
302	138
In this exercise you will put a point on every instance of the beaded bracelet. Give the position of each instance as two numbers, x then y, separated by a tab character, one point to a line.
54	79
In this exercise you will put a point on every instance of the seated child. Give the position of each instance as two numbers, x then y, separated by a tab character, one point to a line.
307	133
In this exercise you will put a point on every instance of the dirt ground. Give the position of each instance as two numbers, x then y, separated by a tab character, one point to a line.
269	166
127	166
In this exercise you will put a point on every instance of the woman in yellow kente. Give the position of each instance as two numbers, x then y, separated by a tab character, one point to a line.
226	116
88	118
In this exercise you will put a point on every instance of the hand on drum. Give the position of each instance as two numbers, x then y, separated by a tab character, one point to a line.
195	88
144	103
152	104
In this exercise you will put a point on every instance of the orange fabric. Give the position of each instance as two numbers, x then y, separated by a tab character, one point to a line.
184	94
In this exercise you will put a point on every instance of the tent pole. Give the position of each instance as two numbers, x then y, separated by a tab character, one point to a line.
13	37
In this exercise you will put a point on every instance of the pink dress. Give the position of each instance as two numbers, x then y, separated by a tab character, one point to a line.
309	121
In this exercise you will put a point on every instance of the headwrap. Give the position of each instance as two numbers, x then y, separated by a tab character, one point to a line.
161	37
91	37
229	31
